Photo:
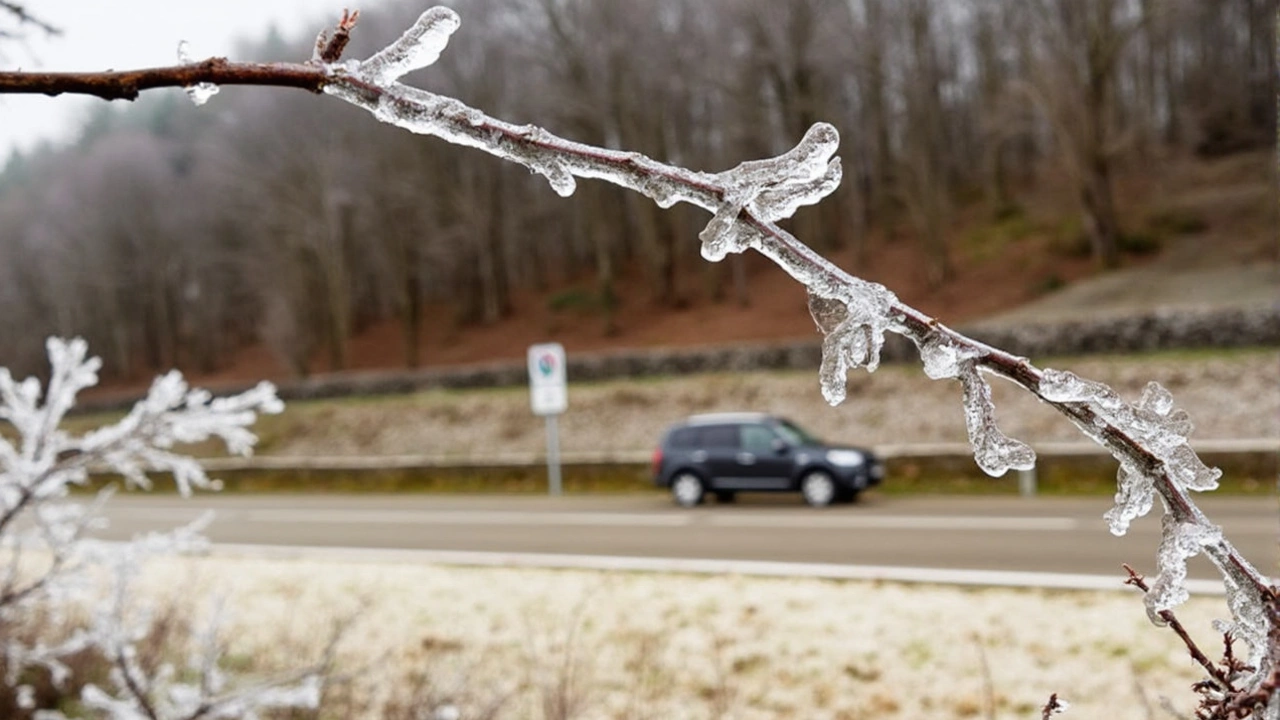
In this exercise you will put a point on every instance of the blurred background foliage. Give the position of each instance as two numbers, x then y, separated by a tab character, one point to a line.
170	235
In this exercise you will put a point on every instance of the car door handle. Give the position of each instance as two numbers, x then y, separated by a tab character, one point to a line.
746	458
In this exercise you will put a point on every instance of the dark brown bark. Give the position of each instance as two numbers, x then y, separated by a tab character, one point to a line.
125	85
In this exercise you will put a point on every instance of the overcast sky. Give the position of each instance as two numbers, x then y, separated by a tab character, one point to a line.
125	34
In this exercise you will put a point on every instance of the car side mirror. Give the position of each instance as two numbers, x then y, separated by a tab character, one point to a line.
780	446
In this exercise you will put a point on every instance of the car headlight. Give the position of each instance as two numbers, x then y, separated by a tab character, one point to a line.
845	458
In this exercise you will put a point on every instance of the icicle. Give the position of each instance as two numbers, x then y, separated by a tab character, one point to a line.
200	92
995	452
854	335
1251	624
722	235
1179	542
1135	494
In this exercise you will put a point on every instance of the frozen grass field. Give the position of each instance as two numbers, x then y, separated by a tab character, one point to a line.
561	644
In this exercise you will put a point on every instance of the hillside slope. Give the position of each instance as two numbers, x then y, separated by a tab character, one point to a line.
1202	233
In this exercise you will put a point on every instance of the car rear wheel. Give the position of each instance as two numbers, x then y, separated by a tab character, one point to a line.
818	488
687	489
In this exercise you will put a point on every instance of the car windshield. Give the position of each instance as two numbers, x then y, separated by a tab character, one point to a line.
794	434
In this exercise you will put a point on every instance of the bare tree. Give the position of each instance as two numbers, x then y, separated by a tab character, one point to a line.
1073	82
932	96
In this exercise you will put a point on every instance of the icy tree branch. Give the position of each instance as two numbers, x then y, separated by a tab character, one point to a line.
1148	438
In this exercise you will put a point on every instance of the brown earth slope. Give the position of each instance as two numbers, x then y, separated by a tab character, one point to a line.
1204	233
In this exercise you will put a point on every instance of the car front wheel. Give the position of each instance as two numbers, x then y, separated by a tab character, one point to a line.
818	488
687	489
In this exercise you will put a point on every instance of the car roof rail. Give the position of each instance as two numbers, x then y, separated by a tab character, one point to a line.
725	417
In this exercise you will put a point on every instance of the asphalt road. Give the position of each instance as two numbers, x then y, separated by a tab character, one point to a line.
1055	535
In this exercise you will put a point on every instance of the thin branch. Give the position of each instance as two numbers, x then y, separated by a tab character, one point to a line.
1224	683
124	666
1051	708
330	50
26	18
125	85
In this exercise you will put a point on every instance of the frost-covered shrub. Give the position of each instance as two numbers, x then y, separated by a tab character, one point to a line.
67	601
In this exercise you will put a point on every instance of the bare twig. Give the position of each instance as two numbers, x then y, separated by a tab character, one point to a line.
1051	708
1137	580
125	85
26	18
1141	693
329	50
988	685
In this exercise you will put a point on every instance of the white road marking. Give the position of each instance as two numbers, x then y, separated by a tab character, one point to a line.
808	520
467	517
932	576
899	522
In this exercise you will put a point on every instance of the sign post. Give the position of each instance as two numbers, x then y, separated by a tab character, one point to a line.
548	396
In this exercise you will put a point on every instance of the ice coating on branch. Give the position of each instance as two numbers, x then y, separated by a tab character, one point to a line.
1064	386
942	358
1135	494
418	47
1179	541
1163	429
200	92
995	452
1153	422
772	189
1250	618
854	327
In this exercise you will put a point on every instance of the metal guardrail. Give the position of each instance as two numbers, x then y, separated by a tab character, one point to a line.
637	457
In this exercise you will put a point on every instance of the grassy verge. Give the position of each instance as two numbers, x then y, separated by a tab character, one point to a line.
1244	473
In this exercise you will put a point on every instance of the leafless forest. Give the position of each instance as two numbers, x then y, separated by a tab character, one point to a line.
174	235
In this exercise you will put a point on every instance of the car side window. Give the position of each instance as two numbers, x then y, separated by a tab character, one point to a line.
720	436
757	439
686	437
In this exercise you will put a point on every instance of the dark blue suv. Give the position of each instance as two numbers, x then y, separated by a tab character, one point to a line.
725	454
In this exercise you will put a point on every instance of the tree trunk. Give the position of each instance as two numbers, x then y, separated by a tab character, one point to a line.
1101	223
412	325
336	283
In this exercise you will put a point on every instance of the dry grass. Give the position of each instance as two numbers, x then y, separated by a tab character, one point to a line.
520	643
1228	394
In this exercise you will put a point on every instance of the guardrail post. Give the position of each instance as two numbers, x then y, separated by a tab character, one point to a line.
1027	482
553	456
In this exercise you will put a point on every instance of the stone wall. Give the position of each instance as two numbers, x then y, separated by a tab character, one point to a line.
1157	330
